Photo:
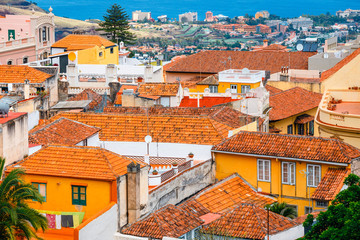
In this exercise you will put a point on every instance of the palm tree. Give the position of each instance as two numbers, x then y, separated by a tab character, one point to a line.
17	219
282	209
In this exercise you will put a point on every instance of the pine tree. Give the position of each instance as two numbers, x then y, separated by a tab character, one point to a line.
116	25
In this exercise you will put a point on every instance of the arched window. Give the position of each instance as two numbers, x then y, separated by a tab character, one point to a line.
9	62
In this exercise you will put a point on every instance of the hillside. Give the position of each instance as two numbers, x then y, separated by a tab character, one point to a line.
22	4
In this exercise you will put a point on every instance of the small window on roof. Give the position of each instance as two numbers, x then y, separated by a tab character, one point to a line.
111	50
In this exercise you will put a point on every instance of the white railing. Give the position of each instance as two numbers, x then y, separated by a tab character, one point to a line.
17	43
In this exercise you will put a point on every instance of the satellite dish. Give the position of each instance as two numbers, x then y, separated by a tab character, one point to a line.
148	139
299	47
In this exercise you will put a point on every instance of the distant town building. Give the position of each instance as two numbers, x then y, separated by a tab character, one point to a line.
138	15
301	23
262	14
25	38
209	17
188	17
348	13
163	18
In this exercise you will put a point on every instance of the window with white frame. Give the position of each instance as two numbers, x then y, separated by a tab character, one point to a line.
213	88
288	173
264	170
314	175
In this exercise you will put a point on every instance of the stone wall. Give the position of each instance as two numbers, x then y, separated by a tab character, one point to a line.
182	185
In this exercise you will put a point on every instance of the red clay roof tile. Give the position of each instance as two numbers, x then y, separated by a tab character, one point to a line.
291	102
62	131
289	146
18	74
76	162
331	184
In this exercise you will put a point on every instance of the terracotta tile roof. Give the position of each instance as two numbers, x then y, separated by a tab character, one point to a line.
88	94
221	114
11	116
212	61
291	102
331	184
18	74
210	80
82	42
75	161
170	129
231	191
248	221
158	89
289	146
62	131
301	219
274	47
272	90
302	119
169	221
325	75
159	160
205	101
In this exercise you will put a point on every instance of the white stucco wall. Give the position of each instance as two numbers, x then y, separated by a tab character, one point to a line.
33	150
290	234
94	140
102	228
120	236
201	152
14	139
33	119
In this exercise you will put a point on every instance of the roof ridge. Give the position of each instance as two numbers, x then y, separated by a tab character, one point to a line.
259	220
109	164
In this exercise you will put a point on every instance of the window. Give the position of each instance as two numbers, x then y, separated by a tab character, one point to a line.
41	187
264	170
308	210
111	50
44	33
288	173
245	88
100	54
78	195
233	88
290	129
213	88
25	60
39	34
314	175
322	203
301	129
311	128
48	34
9	62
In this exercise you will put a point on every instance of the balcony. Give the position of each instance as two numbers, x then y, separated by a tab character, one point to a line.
340	109
16	44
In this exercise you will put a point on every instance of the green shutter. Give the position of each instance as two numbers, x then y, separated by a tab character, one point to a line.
79	195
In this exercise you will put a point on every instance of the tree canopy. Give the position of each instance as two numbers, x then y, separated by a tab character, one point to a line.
342	218
116	25
17	219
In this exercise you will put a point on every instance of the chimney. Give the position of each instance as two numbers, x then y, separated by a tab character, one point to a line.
190	158
114	89
63	87
266	42
147	159
154	178
133	192
26	89
175	168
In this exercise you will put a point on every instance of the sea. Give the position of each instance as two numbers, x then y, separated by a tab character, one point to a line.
95	9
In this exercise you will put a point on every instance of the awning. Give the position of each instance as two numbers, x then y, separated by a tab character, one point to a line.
305	118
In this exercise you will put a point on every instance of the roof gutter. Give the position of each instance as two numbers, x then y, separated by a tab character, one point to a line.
285	158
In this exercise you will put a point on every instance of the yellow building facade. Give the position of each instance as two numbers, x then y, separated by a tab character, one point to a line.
292	179
99	55
58	194
297	195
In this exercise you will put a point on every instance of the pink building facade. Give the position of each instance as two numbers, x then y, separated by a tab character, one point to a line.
25	38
